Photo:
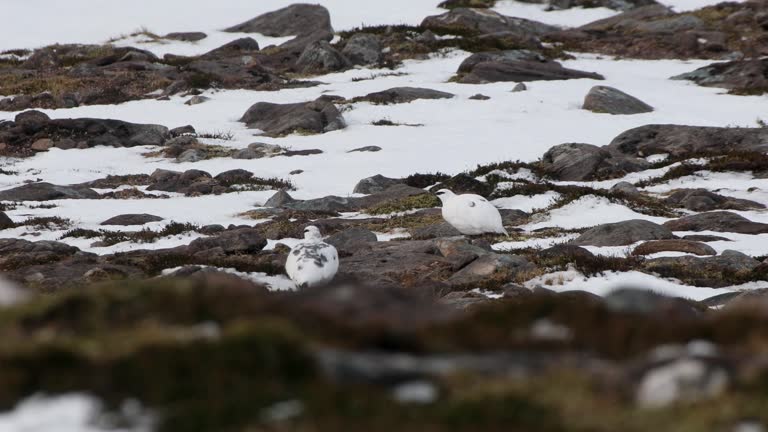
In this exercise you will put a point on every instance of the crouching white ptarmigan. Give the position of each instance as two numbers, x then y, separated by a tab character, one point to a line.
470	214
312	261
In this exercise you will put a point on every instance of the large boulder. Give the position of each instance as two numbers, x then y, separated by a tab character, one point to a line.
483	21
46	191
685	140
604	99
508	56
374	184
623	233
579	162
741	77
363	49
293	20
489	266
714	271
720	221
318	116
351	239
320	57
628	19
15	253
703	200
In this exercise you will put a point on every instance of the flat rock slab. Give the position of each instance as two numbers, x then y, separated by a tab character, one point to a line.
520	71
46	191
719	221
132	219
623	233
687	246
402	95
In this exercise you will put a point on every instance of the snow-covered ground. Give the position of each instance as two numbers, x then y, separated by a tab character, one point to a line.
457	134
70	413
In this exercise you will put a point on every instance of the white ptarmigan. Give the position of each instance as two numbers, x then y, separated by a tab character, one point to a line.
312	261
470	214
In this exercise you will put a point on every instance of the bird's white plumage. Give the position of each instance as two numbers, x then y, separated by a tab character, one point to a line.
312	262
470	214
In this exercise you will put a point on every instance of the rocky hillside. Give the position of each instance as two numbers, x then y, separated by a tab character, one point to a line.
152	185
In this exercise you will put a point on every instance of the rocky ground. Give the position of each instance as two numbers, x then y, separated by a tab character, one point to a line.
151	187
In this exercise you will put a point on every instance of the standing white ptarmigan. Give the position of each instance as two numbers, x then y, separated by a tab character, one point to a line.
470	214
312	261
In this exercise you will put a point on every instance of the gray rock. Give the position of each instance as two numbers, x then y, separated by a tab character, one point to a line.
484	21
258	151
704	200
676	245
628	19
174	181
328	204
677	23
519	87
321	57
579	162
719	221
192	155
402	95
182	130
197	100
685	140
32	120
5	221
703	271
626	188
46	192
377	183
513	217
508	56
623	233
705	238
519	71
233	177
186	36
440	230
296	19
236	47
748	76
318	116
279	199
647	302
238	241
479	96
351	239
370	149
487	266
566	251
363	49
604	99
132	219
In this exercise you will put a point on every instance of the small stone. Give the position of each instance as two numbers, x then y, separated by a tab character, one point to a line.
366	149
42	145
520	87
196	100
295	172
182	130
479	97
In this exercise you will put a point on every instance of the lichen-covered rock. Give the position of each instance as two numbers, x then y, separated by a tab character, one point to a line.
604	99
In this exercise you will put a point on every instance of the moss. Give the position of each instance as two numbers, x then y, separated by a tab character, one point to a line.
405	204
46	223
